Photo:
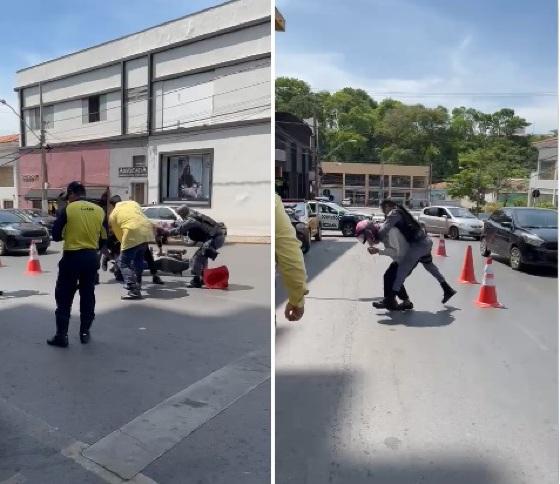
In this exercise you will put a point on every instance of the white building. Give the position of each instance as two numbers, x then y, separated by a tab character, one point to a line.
8	153
178	113
545	179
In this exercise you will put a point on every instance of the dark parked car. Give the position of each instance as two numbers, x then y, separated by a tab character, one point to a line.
335	217
17	233
36	216
526	236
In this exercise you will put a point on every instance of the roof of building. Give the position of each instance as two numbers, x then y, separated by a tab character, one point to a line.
546	143
9	138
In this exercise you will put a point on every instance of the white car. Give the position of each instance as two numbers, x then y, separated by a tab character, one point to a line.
165	216
452	222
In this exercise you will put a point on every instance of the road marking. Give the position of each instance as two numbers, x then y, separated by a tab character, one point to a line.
75	451
539	343
137	444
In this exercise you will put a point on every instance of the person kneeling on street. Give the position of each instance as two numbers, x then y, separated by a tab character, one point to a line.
203	229
134	231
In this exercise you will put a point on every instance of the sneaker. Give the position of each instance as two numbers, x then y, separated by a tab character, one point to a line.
104	264
196	282
157	280
405	306
84	337
386	303
132	295
448	292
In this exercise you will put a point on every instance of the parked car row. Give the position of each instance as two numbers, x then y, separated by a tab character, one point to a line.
17	233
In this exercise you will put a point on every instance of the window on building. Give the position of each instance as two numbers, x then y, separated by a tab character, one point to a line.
400	181
355	180
33	118
419	182
48	116
8	204
94	109
374	180
332	179
187	177
138	161
36	204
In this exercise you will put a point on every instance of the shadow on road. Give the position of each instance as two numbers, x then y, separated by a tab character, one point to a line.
313	415
359	299
22	293
170	290
420	319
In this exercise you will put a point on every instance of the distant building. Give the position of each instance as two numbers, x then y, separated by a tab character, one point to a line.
367	184
545	179
177	113
9	146
294	169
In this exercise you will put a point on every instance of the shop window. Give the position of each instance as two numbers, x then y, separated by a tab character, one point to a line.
355	180
400	181
187	177
419	182
374	180
138	161
94	109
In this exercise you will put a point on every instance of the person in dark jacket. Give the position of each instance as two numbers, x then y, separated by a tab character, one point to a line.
200	228
419	251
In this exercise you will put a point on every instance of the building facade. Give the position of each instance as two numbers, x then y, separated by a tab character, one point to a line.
367	184
545	179
8	156
178	113
294	168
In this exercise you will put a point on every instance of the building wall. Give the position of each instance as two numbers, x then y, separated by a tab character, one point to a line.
241	174
121	156
90	162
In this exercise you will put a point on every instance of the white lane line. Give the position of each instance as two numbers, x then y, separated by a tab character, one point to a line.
137	444
75	451
539	343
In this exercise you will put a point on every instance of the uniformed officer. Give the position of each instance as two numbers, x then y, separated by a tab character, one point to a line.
80	225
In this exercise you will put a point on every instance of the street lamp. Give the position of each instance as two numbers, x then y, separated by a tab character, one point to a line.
317	164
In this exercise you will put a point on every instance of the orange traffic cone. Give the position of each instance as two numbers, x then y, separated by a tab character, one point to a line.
216	278
467	272
33	264
487	297
441	247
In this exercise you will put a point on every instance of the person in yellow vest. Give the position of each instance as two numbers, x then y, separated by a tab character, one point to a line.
134	231
289	260
80	225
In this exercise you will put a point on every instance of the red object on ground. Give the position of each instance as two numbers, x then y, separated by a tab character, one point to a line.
441	247
33	264
487	297
467	272
216	278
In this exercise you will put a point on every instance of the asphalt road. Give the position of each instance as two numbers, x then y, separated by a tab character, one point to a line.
439	395
194	364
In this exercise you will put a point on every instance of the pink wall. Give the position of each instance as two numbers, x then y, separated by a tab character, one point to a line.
64	165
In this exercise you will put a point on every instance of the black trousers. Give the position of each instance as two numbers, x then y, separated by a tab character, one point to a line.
76	266
389	279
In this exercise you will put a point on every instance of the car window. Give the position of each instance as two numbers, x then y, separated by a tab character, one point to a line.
166	214
10	218
312	207
460	212
152	213
442	212
497	216
534	218
432	212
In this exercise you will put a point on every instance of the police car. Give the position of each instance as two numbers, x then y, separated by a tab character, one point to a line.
334	217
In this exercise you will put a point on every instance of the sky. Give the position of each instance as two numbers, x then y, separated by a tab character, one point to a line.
432	52
35	31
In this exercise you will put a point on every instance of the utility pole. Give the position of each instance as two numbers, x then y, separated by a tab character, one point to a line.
42	144
316	150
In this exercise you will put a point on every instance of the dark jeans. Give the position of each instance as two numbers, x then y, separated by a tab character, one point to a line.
131	264
200	259
77	266
389	279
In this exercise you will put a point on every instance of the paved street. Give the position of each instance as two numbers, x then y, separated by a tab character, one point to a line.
440	395
184	374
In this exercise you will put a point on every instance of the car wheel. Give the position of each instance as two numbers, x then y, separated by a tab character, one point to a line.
319	234
3	248
484	252
453	233
515	258
348	229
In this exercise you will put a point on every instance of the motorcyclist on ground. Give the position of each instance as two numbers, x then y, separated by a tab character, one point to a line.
202	229
420	250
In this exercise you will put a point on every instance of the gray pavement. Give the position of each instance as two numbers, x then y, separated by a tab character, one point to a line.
437	395
54	401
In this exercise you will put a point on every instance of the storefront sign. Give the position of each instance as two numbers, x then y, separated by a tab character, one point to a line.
30	178
133	171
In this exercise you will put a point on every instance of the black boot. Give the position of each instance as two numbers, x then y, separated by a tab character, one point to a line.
406	305
389	303
60	340
157	280
196	282
84	333
448	292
